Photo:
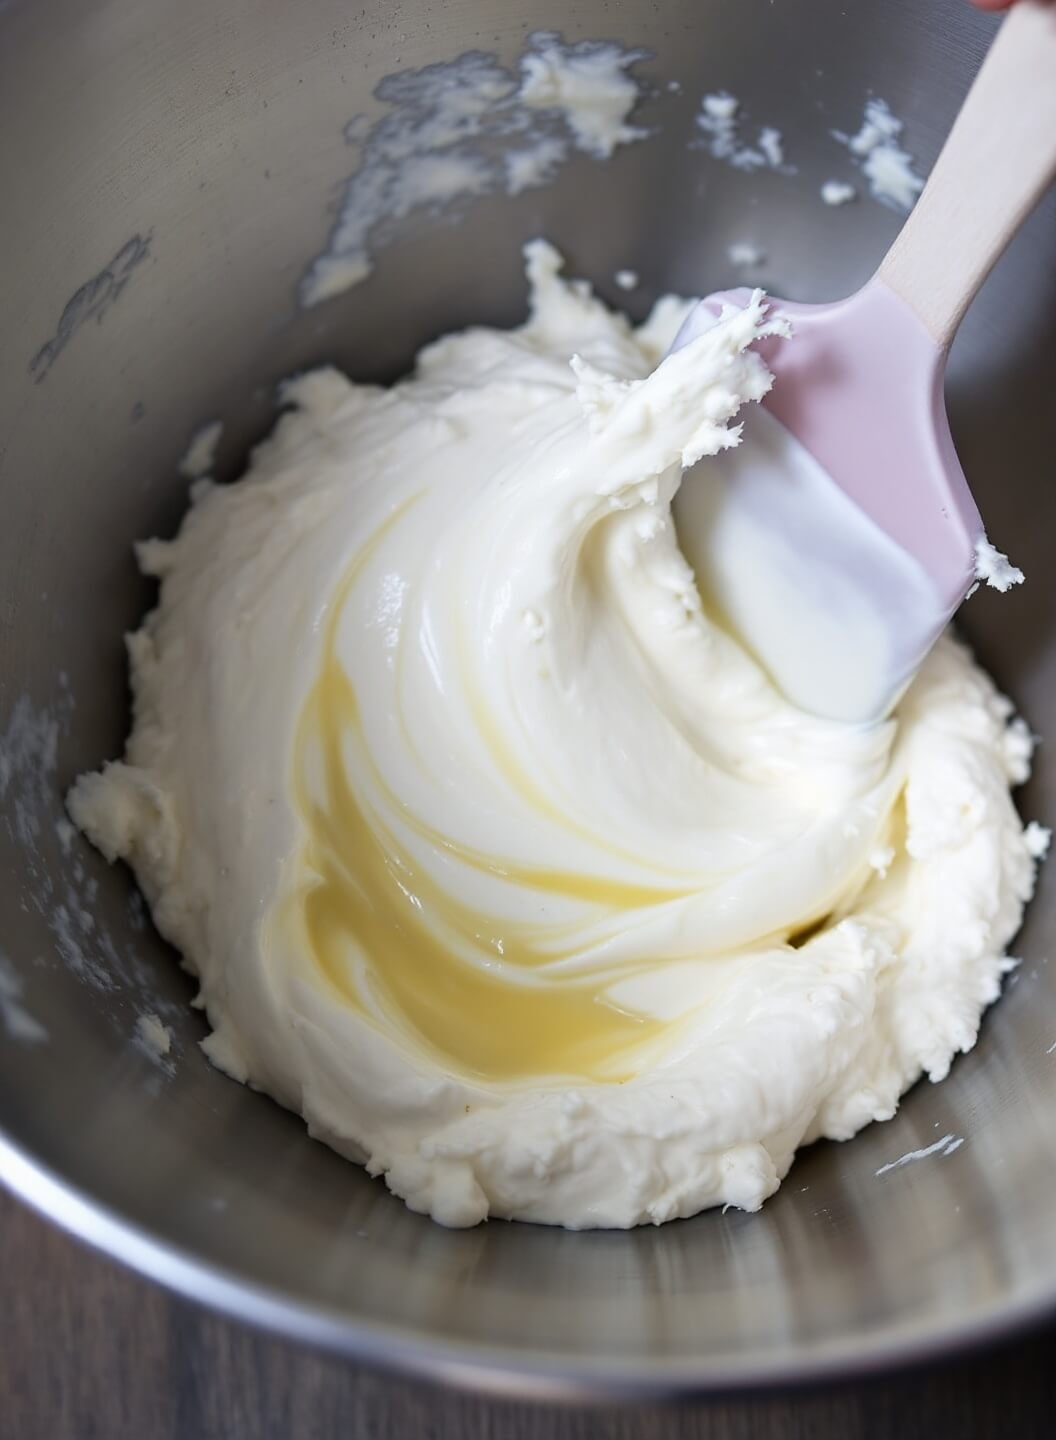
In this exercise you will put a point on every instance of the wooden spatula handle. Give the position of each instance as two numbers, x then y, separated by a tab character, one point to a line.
997	161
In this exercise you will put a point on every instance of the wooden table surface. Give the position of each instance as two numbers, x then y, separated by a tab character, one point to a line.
89	1351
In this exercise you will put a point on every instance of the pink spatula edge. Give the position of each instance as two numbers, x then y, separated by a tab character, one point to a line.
841	566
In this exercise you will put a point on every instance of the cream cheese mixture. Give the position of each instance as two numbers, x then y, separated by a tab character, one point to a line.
496	856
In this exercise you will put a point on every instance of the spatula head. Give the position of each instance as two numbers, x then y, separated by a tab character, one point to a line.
839	538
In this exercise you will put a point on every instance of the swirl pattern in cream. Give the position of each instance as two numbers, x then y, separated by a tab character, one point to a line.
496	855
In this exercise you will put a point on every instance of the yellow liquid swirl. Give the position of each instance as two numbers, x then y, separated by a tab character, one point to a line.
393	942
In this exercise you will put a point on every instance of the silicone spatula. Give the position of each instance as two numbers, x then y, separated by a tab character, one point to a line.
839	538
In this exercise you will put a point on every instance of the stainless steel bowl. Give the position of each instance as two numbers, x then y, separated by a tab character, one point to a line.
166	171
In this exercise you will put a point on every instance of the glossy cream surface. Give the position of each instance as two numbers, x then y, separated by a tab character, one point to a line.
496	855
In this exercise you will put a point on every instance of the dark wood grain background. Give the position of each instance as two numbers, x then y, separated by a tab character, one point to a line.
89	1351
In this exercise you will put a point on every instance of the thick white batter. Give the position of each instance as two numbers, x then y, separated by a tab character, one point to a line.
495	855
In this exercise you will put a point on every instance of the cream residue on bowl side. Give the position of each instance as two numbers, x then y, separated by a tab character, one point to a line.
471	127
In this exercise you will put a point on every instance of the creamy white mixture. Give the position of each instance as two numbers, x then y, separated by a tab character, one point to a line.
200	455
495	855
719	121
456	131
745	255
886	165
994	569
837	192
